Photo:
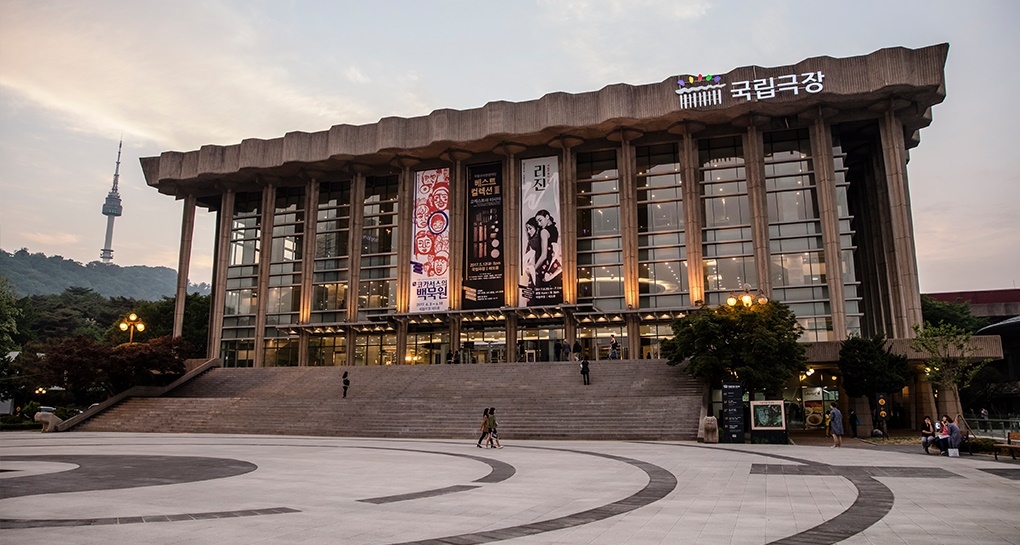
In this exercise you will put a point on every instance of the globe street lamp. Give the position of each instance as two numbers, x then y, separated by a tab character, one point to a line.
747	298
131	324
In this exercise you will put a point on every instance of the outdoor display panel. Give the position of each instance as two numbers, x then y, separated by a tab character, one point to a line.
430	242
483	276
541	279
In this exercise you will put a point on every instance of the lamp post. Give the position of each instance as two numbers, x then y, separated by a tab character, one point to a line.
131	324
747	298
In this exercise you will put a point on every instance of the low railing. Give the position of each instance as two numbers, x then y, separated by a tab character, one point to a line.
137	391
996	428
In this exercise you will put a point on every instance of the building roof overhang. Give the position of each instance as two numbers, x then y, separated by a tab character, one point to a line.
906	81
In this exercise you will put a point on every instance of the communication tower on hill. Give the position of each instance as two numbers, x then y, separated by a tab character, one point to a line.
111	209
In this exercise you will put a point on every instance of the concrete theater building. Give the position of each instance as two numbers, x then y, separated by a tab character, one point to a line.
502	230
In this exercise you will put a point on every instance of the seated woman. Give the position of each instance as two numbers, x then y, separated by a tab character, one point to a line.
949	435
927	434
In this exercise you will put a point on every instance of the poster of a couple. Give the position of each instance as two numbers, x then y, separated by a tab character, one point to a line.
541	281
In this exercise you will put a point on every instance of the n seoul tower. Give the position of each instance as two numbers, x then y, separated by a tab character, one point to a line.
112	209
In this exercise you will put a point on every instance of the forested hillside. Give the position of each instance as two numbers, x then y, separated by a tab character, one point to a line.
37	274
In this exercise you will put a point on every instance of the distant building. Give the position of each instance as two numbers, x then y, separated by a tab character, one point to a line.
499	231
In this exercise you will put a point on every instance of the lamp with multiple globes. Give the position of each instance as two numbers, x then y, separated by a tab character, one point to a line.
747	298
131	324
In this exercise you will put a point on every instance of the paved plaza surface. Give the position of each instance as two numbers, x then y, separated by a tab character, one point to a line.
106	488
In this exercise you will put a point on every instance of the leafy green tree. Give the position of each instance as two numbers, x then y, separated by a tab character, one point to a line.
869	367
154	363
943	312
949	359
9	315
756	345
76	365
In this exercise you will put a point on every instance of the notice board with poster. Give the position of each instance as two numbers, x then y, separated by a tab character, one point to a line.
732	428
483	277
541	278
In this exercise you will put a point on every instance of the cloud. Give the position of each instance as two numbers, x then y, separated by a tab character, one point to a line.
180	84
355	74
53	239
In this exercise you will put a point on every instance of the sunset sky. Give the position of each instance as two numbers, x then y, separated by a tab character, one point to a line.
75	77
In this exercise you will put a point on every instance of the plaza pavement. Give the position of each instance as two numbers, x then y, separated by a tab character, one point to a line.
125	488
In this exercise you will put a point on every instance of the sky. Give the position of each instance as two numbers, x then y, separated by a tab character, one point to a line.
76	77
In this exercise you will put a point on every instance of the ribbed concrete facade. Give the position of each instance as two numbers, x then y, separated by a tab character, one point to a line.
791	180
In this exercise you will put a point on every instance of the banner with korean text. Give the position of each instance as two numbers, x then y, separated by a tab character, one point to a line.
430	243
483	280
541	279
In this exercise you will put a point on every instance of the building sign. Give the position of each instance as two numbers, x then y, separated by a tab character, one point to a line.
733	413
541	280
699	91
483	280
430	242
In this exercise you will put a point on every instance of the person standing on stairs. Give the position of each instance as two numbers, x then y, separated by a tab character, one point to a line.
484	427
493	434
584	370
347	384
577	350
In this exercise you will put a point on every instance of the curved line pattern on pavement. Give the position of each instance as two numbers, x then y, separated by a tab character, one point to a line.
660	483
112	471
874	501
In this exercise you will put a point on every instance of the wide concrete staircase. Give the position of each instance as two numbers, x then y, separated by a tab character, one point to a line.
627	400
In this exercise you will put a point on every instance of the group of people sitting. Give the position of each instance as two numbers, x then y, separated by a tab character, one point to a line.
944	434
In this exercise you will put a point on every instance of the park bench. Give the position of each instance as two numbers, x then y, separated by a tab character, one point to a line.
1012	445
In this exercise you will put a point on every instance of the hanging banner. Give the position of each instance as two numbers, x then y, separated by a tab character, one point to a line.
541	280
483	281
430	243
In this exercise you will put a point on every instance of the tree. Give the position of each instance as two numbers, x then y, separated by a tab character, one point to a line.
869	367
944	312
949	360
755	345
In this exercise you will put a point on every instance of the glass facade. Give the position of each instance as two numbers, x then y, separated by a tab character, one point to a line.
240	298
726	218
377	289
797	257
283	296
847	240
662	246
599	240
364	238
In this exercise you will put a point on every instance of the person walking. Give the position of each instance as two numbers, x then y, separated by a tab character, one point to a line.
493	434
347	384
484	427
851	418
836	423
614	347
585	370
577	350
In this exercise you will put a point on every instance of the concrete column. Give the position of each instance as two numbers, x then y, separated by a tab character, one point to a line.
511	222
825	185
906	294
354	245
226	213
754	161
626	166
308	264
692	217
265	253
458	229
568	227
568	214
405	203
184	262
